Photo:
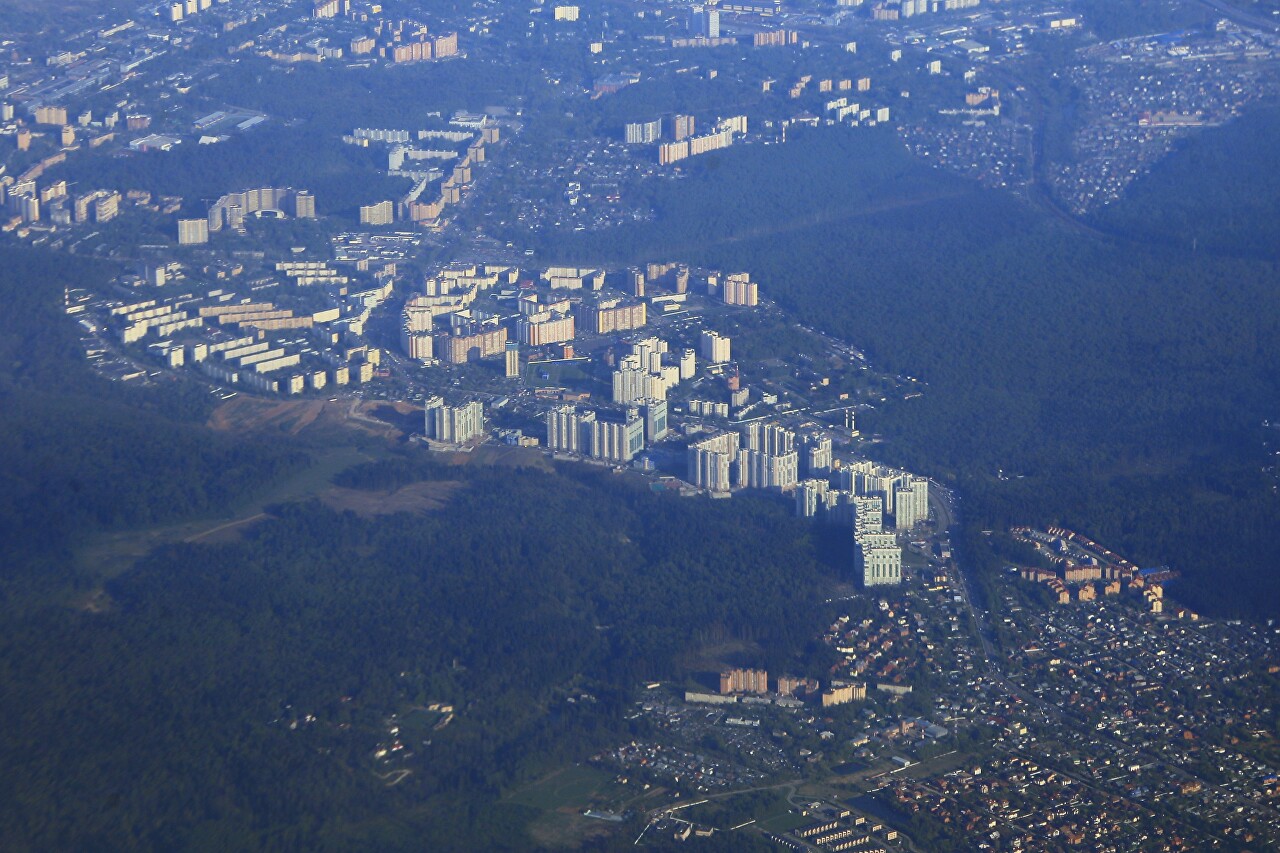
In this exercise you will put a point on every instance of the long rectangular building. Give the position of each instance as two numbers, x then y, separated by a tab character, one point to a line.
744	681
471	346
571	431
544	328
613	317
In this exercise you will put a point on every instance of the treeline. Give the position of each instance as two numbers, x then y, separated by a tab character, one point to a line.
749	193
35	16
1113	19
1218	192
166	722
330	101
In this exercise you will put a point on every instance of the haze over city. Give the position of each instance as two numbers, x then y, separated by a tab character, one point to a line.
826	425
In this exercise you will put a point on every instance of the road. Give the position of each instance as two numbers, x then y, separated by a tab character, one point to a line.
1062	715
946	518
1240	16
790	786
940	501
1037	191
230	524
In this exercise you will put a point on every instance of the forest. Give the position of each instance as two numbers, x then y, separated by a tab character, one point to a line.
79	454
1206	196
342	177
1113	20
168	721
1111	382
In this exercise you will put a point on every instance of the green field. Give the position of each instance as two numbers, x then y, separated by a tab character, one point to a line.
783	822
561	374
570	787
109	553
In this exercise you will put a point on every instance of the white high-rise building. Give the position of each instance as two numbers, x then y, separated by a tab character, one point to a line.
817	456
571	431
867	478
193	232
811	497
711	461
904	517
688	364
768	438
760	470
704	22
565	428
649	352
655	420
616	442
512	363
910	501
879	559
715	347
419	346
631	385
454	424
739	289
643	132
868	515
642	375
768	458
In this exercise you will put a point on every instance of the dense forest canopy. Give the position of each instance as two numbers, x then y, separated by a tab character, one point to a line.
1113	19
525	586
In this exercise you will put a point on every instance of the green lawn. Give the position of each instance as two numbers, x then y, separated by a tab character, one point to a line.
561	374
783	822
572	786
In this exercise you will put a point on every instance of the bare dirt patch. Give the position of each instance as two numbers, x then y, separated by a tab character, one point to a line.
249	414
405	417
567	829
96	601
415	497
502	456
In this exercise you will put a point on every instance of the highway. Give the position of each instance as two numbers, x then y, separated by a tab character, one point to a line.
1240	16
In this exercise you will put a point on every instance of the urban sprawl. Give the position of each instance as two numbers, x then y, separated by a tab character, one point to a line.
1078	708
